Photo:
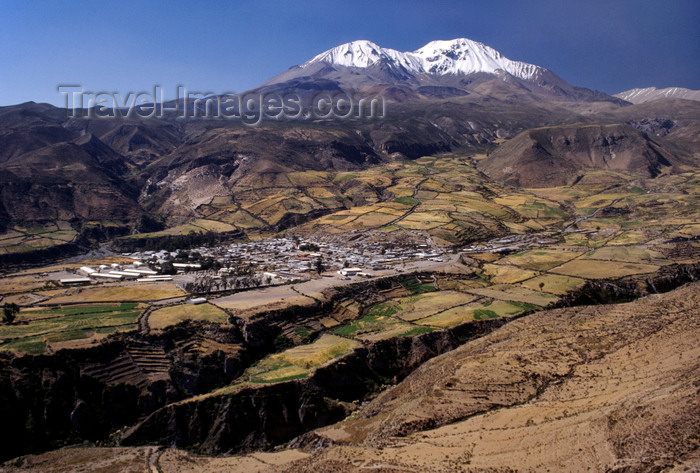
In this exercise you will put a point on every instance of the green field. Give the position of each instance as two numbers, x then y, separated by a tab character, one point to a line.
34	330
415	286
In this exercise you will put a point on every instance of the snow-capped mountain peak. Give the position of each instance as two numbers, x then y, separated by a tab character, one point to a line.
363	54
464	56
458	56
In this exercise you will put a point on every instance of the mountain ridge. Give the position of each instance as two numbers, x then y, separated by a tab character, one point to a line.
648	94
441	57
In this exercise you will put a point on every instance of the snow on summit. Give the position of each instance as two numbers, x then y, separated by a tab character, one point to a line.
458	56
364	53
464	56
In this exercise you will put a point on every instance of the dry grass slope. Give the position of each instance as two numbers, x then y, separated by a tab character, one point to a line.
605	388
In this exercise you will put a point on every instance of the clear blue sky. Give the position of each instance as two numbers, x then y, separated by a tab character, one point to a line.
231	46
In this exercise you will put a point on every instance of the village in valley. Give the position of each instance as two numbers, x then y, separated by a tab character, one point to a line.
268	262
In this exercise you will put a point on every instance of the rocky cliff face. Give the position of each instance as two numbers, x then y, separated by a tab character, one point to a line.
261	417
73	395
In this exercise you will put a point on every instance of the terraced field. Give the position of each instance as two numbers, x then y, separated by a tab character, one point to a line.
611	226
38	330
443	196
21	239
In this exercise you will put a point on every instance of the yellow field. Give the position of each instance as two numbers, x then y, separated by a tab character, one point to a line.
591	240
22	298
507	292
503	274
338	218
600	200
517	227
400	191
628	254
554	284
213	225
424	305
309	178
559	193
373	219
426	195
512	200
126	292
222	201
322	350
398	329
433	185
414	224
320	192
539	260
298	361
168	316
689	231
9	285
486	257
589	269
482	206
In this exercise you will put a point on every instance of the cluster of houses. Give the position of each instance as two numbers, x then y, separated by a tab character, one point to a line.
116	272
278	260
288	256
